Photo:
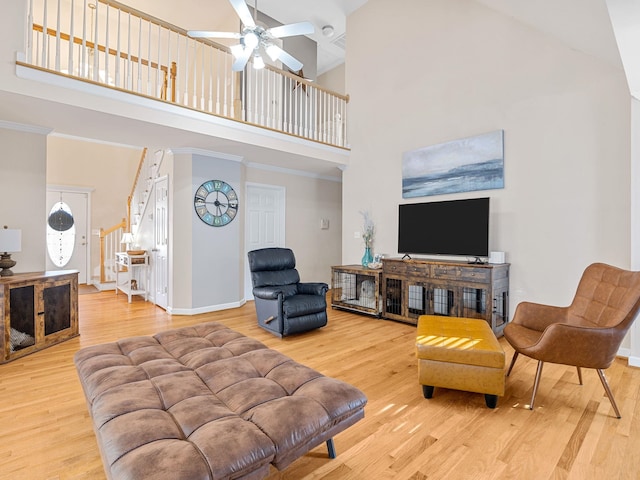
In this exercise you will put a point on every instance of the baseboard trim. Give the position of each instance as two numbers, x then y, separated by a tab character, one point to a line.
207	309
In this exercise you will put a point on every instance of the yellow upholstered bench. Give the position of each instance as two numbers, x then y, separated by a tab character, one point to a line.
459	353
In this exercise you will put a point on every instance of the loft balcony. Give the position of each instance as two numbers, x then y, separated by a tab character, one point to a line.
108	45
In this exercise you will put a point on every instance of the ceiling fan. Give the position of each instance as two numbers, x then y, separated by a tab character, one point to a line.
254	39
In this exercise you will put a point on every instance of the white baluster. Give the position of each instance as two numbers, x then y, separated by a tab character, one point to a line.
210	105
57	59
96	51
118	49
45	37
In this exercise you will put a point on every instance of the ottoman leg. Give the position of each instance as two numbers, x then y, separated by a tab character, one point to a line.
490	400
427	391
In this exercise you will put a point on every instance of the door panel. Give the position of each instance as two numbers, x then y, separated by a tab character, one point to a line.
160	267
265	223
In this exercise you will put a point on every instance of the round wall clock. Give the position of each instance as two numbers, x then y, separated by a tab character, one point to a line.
216	203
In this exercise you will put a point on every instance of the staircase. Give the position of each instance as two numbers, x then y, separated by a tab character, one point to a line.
137	203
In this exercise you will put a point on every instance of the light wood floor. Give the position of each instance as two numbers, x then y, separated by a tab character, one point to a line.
46	433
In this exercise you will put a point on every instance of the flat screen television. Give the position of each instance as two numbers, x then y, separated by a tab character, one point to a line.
454	227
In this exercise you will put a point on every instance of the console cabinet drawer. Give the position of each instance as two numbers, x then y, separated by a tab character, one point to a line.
406	268
446	271
394	267
474	274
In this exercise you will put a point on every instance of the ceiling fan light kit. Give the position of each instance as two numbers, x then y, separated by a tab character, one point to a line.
258	63
255	38
273	52
251	40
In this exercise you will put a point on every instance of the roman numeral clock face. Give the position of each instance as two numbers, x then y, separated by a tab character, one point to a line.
216	203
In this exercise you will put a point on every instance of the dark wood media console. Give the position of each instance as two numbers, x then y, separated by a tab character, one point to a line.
38	310
411	288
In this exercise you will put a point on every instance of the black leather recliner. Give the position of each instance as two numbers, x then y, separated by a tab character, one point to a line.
284	305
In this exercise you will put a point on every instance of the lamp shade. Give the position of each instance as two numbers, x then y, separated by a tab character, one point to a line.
126	238
10	240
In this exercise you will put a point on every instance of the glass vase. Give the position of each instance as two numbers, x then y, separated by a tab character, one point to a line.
367	258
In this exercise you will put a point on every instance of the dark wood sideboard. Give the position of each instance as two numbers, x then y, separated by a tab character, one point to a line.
38	310
406	289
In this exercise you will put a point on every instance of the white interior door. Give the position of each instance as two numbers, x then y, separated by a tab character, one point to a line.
265	223
68	249
160	268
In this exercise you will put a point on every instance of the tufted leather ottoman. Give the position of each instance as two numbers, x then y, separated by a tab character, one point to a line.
459	353
206	402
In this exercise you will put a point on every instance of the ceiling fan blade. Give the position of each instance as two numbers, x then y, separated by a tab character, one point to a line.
241	60
207	34
243	12
291	62
301	28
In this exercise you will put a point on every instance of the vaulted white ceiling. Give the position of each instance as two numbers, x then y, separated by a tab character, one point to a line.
606	29
321	13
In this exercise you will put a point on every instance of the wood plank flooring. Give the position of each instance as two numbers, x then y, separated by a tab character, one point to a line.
46	432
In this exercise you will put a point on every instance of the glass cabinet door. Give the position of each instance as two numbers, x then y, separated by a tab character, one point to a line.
22	317
474	302
418	300
393	296
57	308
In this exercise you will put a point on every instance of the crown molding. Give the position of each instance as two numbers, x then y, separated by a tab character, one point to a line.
25	128
93	140
206	153
290	171
69	188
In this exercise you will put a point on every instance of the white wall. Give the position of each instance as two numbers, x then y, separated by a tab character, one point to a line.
463	70
334	79
23	201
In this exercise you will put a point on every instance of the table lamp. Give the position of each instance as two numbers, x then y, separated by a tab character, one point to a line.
127	239
10	242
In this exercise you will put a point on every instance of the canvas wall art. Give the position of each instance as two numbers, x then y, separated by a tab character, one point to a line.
464	165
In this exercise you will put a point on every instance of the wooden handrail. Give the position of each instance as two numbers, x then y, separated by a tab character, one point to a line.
303	81
122	224
219	46
269	99
78	41
169	72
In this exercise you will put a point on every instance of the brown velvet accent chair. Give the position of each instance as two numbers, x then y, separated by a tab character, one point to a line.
587	333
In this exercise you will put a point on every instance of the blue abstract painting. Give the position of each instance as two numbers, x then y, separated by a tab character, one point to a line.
464	165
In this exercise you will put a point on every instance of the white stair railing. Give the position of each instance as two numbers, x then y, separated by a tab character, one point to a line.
108	43
109	245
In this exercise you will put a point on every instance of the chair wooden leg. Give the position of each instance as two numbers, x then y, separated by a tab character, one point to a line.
607	390
535	384
579	375
513	362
